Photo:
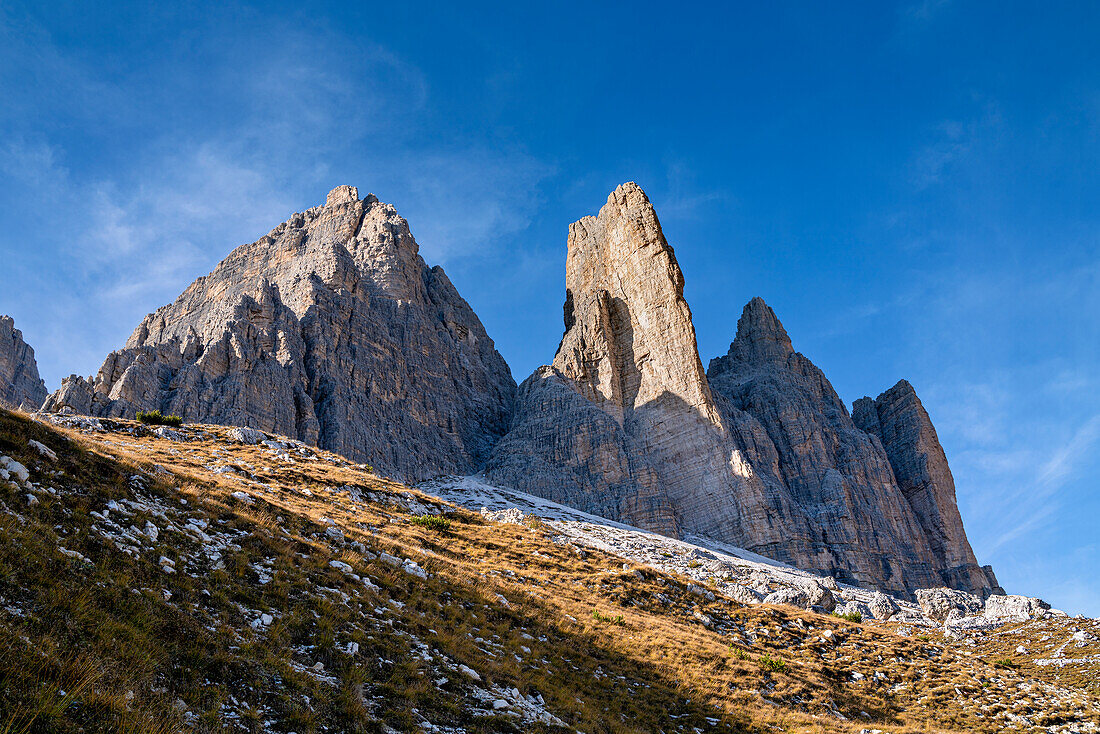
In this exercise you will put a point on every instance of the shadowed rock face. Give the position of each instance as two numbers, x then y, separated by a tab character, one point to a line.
331	329
20	385
876	488
847	516
901	423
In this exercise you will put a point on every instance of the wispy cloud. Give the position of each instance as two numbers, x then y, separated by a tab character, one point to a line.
925	10
280	117
683	198
951	143
1065	460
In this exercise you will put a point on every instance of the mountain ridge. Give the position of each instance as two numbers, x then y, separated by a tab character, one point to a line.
332	329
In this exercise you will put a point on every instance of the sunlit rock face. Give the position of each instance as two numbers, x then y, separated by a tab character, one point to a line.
331	329
853	520
623	421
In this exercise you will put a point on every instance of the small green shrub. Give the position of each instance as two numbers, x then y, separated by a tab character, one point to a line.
1005	663
432	522
773	664
851	617
155	418
617	619
694	564
738	652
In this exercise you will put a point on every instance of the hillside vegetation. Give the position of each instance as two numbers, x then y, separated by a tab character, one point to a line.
213	579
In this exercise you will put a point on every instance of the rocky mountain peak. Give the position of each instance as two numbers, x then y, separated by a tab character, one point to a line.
331	329
342	195
760	336
898	419
623	422
20	385
629	336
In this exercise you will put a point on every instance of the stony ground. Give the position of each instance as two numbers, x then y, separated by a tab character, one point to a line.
213	579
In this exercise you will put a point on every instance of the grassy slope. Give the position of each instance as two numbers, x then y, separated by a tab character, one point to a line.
109	641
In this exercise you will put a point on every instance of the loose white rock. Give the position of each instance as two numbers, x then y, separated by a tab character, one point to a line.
43	449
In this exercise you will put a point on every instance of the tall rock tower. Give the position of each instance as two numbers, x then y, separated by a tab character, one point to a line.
20	385
898	419
623	422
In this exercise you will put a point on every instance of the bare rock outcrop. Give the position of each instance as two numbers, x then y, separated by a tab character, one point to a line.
944	604
847	517
1014	606
898	419
759	451
330	329
20	385
623	422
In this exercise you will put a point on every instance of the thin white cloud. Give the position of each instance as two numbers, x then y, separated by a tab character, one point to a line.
297	110
1066	460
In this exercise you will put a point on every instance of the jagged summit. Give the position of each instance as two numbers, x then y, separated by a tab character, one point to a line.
879	499
330	328
623	422
20	385
898	419
760	335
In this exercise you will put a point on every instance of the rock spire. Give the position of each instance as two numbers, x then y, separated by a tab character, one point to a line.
623	421
20	385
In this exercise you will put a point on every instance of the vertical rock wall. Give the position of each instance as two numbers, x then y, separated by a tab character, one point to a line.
20	385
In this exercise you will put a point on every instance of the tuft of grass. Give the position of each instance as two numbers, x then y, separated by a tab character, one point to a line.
738	652
534	523
776	665
156	418
432	522
852	617
608	619
1006	663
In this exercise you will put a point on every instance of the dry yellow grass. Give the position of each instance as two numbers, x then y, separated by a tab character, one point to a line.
558	633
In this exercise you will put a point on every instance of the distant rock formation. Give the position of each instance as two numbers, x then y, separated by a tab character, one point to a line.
898	419
20	385
330	329
759	451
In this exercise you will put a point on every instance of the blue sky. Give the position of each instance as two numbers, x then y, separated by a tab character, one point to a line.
914	188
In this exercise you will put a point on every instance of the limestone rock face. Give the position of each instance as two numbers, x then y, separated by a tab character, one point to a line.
845	514
20	385
330	329
759	451
623	422
943	604
1014	606
898	419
